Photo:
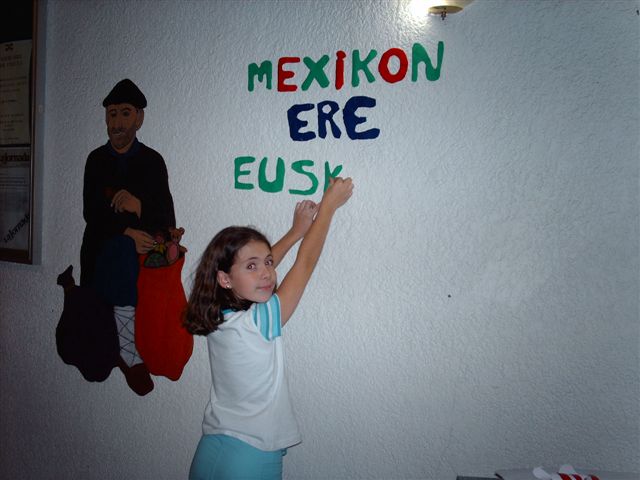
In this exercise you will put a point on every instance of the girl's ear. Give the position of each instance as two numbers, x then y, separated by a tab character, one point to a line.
223	279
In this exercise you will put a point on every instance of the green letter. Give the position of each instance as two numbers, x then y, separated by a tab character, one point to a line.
330	174
316	72
275	185
419	54
265	68
299	168
363	65
239	161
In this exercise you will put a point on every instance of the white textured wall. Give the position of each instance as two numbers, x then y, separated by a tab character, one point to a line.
477	303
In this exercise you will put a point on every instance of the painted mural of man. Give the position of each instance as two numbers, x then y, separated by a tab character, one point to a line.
126	200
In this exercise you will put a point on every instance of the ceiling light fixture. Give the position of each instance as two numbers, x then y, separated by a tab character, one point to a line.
446	7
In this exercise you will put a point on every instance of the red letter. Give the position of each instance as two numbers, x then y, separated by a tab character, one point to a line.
383	66
340	69
284	74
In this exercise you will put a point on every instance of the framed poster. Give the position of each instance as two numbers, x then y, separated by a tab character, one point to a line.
17	130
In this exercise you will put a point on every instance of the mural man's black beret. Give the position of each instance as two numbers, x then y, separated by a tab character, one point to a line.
125	91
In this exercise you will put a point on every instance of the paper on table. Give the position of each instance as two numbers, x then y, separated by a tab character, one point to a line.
564	472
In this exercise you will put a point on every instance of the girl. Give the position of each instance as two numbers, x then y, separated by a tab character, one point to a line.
249	420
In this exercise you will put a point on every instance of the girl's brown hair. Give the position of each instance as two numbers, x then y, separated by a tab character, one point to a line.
208	299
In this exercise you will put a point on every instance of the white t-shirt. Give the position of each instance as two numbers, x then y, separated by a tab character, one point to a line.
249	393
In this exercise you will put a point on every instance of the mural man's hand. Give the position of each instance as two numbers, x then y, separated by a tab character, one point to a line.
144	241
123	201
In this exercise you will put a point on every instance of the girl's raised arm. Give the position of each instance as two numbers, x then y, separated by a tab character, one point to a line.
296	280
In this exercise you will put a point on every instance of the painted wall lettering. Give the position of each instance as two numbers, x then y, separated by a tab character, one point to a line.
309	121
284	74
363	67
245	167
325	115
263	72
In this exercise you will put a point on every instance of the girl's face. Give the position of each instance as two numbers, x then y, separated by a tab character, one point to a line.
252	276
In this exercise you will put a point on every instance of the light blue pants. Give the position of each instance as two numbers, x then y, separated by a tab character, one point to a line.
221	457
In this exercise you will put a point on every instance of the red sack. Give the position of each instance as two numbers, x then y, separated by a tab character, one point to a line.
161	340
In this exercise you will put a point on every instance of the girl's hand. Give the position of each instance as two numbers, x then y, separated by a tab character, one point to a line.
303	216
339	191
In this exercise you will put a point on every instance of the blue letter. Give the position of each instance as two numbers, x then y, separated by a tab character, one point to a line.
351	120
295	124
324	117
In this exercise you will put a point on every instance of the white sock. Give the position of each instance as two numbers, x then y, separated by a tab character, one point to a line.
125	322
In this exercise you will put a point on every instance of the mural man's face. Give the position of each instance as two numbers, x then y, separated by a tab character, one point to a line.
123	121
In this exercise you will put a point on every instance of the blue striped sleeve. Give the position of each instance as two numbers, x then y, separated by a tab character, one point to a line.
266	317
